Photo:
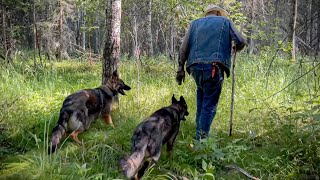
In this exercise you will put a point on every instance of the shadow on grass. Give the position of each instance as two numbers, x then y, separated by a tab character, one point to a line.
98	156
282	152
6	146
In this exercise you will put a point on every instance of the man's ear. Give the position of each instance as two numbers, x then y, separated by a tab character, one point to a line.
182	100
174	100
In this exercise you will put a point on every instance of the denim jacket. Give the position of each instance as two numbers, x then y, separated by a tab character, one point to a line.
208	40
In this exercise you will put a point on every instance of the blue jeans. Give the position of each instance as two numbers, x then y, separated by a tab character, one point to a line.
208	94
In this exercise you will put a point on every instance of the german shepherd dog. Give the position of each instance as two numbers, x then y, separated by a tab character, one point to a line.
160	128
81	108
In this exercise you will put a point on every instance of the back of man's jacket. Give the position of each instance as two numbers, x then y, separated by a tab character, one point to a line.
209	40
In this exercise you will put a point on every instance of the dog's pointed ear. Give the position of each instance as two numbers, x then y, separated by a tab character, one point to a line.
174	100
115	73
182	100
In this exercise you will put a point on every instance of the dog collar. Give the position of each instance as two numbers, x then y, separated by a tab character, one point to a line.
98	91
176	112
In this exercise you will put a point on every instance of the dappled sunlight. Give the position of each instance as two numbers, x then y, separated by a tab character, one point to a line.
261	122
56	56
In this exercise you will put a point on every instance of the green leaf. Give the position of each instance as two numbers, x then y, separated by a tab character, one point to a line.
316	117
204	165
298	151
208	176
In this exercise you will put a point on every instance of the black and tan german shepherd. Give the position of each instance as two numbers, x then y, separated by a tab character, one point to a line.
81	108
160	128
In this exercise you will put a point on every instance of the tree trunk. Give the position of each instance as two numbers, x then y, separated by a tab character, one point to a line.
134	45
172	41
96	35
9	38
156	46
34	34
318	44
83	31
4	34
171	55
312	7
292	29
78	25
60	48
250	28
306	32
149	29
89	44
164	41
38	34
38	42
111	53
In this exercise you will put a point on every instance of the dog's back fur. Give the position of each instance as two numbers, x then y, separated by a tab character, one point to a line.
160	128
81	108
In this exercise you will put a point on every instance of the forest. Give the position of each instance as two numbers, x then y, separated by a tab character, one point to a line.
52	48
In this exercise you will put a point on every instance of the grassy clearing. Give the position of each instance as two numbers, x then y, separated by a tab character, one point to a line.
273	139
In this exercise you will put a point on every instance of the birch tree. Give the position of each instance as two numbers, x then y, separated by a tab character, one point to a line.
292	28
149	41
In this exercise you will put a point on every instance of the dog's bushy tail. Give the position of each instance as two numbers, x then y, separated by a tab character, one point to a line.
58	132
129	165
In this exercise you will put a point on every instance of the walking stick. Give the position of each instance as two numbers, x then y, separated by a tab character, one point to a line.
232	90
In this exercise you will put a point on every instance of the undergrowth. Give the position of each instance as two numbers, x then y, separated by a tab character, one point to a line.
276	136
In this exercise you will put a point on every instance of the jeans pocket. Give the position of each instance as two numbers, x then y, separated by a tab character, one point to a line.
221	75
218	77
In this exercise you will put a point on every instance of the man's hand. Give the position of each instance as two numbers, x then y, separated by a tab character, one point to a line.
239	47
180	76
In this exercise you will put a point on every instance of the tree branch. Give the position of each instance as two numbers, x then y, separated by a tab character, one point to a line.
292	82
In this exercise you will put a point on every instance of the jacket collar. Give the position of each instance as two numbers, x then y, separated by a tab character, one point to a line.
211	15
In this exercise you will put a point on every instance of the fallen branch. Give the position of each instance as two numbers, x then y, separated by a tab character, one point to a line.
292	82
304	43
235	167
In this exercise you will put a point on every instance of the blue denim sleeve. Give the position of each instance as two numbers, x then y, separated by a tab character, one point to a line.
184	50
236	36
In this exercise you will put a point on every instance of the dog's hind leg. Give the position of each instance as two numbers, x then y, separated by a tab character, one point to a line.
144	167
135	177
74	136
155	146
170	142
90	119
150	161
108	120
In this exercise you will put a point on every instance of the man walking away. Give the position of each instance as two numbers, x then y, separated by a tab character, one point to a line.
206	49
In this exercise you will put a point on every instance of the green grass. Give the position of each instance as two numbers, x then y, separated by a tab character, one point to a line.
283	143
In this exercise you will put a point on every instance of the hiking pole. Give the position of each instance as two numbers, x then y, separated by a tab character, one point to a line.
232	90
